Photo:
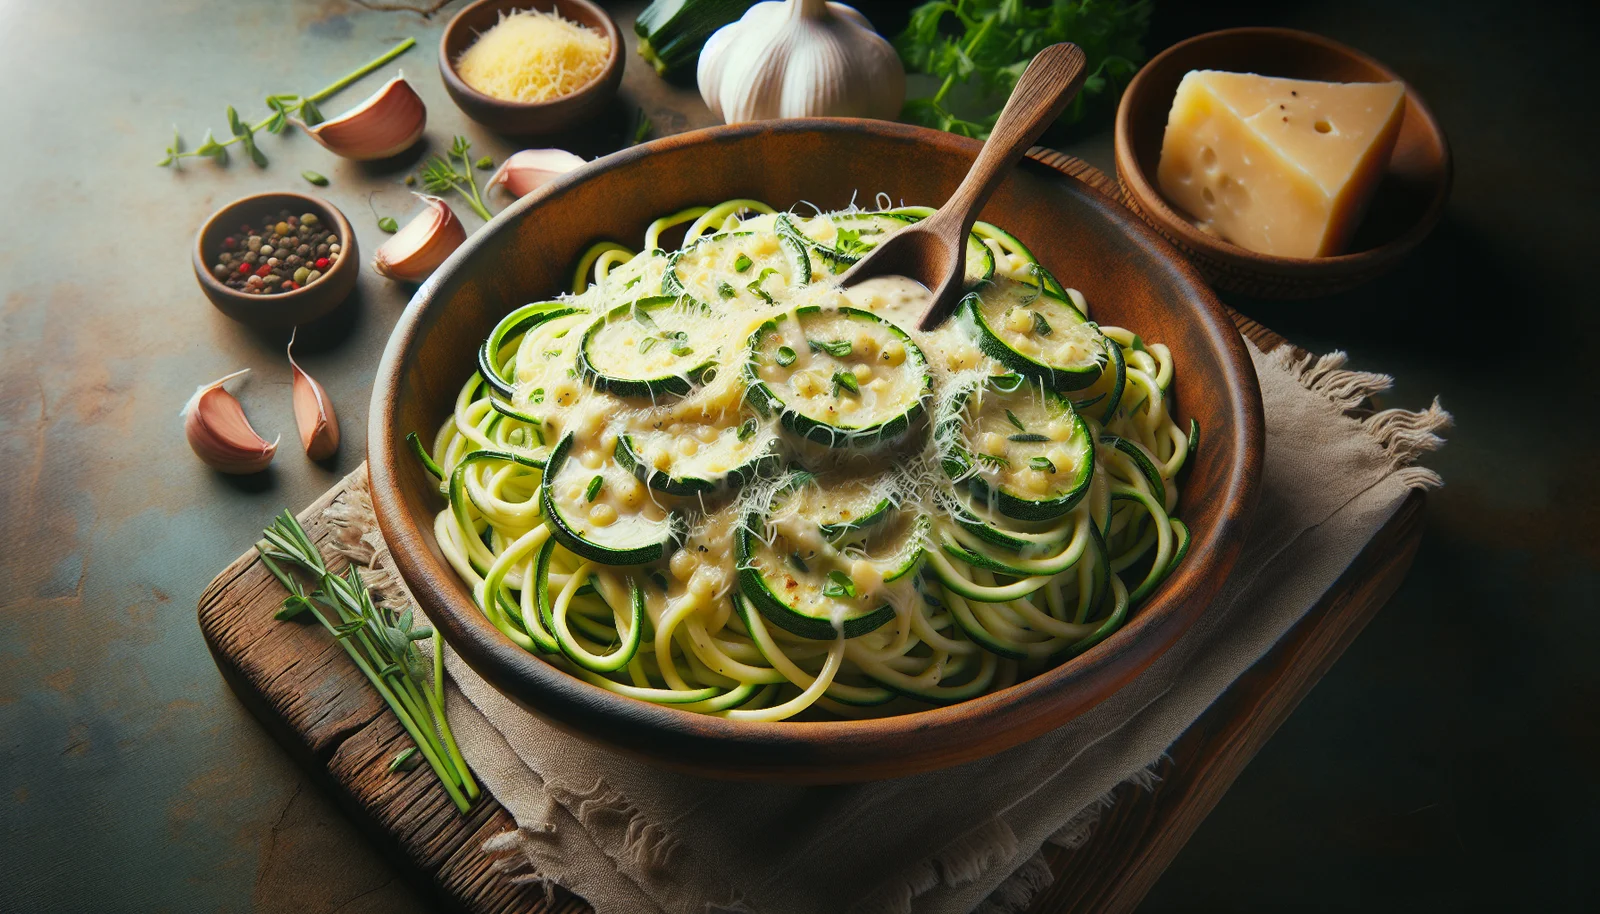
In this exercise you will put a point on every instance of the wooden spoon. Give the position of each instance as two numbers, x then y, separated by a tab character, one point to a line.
933	250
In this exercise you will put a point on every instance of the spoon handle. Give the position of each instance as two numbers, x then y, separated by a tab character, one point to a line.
1044	91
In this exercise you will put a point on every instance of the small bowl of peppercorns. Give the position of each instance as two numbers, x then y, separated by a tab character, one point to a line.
276	260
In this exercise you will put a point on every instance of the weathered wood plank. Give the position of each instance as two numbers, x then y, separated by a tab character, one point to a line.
312	699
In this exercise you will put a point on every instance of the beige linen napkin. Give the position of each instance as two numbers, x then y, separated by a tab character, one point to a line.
633	839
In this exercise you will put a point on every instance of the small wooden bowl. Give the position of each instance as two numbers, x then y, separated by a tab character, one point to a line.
1404	209
519	118
284	309
1130	277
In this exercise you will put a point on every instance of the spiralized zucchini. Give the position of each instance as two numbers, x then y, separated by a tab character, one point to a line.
788	571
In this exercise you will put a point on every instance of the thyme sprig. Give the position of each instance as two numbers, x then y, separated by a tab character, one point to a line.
381	642
440	176
283	108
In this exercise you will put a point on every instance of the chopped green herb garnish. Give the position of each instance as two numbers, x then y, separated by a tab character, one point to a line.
680	343
747	429
726	291
646	344
537	396
785	356
799	563
848	242
632	282
992	459
1042	463
551	353
839	585
836	348
1028	438
1012	418
742	263
846	381
643	317
593	488
1041	326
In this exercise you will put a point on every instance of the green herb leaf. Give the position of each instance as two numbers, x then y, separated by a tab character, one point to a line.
844	380
992	459
593	489
742	263
388	224
322	181
747	429
537	395
648	343
726	291
1042	463
839	585
1012	418
235	125
1027	438
836	348
310	113
785	356
293	605
848	242
981	47
484	163
1041	326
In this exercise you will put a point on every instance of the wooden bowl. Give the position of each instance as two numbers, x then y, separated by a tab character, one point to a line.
285	309
519	118
1405	207
1131	278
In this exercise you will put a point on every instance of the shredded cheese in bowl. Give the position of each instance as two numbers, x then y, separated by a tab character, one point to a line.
532	56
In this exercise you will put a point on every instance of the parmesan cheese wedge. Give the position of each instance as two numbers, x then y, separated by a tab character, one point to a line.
1278	166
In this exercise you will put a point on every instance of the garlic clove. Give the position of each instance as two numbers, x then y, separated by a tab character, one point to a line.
531	169
386	124
414	252
220	435
313	412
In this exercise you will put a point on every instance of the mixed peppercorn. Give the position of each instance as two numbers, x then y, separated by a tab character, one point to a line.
281	256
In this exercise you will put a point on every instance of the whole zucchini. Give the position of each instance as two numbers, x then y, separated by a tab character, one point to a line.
671	32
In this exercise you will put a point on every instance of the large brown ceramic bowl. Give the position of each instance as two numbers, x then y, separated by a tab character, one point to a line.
1406	206
1131	278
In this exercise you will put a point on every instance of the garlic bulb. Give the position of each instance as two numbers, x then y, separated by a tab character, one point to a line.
384	125
220	435
531	169
313	412
414	252
800	58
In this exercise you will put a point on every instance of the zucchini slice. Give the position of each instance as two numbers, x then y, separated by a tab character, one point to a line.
653	347
1020	449
804	585
988	231
838	241
501	378
1028	330
690	460
1027	538
636	532
740	269
842	377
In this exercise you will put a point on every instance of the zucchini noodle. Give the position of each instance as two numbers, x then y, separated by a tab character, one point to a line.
709	478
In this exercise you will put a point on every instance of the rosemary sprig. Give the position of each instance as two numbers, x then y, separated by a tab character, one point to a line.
283	108
440	176
379	641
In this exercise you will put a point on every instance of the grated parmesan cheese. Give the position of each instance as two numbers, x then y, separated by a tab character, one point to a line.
533	56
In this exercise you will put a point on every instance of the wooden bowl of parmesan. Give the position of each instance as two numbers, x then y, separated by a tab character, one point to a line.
530	67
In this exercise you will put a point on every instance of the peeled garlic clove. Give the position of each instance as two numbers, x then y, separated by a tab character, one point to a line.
414	252
219	433
531	169
384	125
313	413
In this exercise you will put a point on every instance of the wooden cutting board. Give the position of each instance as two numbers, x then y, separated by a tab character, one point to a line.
305	691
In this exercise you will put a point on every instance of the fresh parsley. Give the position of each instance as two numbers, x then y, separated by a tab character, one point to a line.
593	490
1012	418
982	47
1042	326
785	356
440	176
726	291
844	380
839	585
1042	463
836	348
742	263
